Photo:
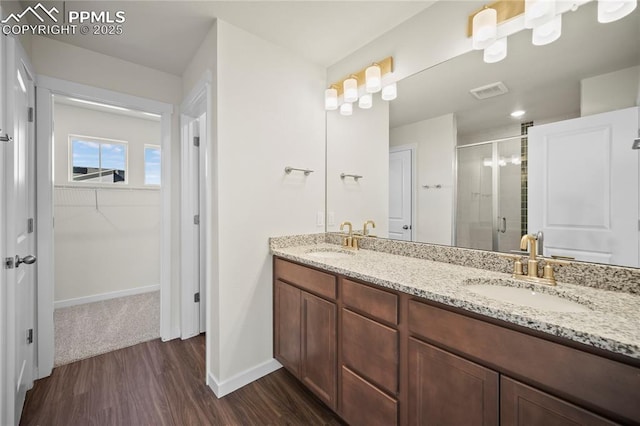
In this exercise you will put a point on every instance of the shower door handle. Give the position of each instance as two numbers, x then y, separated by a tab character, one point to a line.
502	224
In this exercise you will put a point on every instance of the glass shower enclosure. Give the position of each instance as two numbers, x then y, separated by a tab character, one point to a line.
491	195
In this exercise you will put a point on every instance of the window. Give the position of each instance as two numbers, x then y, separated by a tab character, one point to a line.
152	165
95	160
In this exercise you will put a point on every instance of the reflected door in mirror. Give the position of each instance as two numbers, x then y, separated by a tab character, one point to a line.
400	194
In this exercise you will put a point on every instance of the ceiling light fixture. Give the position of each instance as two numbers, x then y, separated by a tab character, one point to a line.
543	16
517	114
360	87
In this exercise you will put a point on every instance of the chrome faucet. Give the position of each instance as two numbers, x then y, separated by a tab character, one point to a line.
365	231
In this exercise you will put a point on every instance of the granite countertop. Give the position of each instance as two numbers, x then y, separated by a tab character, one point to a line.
612	321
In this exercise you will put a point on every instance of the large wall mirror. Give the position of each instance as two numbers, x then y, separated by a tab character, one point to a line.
462	170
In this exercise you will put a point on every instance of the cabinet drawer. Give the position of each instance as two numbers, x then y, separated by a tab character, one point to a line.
600	384
364	404
524	405
308	279
370	349
378	304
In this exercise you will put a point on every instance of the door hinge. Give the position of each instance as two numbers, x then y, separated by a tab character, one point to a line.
29	225
196	297
196	219
30	336
8	262
30	115
196	141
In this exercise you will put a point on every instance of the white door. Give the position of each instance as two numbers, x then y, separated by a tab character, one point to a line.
583	187
193	306
400	198
19	178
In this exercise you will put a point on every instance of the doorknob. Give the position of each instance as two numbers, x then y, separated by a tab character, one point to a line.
27	260
405	227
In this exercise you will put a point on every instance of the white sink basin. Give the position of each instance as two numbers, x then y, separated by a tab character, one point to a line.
527	297
331	254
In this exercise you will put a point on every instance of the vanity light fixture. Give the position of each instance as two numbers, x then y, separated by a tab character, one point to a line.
350	87
485	28
346	108
547	33
544	17
612	10
360	87
331	98
496	52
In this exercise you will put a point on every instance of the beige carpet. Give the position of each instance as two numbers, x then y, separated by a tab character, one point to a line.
83	331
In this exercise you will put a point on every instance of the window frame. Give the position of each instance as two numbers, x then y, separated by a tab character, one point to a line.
101	141
144	165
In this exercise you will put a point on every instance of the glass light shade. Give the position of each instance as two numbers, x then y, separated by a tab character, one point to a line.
350	90
612	10
547	33
538	12
373	79
365	101
485	28
389	92
330	99
496	52
346	108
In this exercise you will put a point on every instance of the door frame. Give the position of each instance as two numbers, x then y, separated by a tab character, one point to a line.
46	87
198	102
413	147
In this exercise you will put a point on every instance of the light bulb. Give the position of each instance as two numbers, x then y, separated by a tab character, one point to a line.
365	101
612	10
330	99
485	28
346	108
496	51
538	12
350	89
373	79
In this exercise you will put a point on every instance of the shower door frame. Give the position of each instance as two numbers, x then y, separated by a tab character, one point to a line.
495	187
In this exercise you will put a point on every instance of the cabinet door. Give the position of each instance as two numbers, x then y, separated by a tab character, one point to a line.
318	366
364	404
445	389
287	326
525	406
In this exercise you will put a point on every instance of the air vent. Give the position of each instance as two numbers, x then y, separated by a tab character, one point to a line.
489	91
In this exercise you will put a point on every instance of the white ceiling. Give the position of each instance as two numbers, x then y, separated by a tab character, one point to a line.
543	80
165	35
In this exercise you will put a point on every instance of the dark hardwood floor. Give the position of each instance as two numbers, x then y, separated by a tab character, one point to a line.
157	383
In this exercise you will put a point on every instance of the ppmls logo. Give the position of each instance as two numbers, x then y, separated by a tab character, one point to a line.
77	22
34	12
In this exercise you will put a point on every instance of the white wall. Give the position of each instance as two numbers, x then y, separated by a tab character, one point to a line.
609	92
359	144
269	114
436	140
64	61
106	240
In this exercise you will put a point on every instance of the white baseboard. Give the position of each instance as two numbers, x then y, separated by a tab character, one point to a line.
241	379
105	296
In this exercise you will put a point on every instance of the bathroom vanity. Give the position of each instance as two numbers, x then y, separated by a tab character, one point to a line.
385	339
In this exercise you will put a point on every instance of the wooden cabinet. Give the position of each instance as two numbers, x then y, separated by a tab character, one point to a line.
381	357
523	405
305	328
445	389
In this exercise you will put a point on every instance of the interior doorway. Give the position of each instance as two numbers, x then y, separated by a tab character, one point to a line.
401	192
106	205
47	90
